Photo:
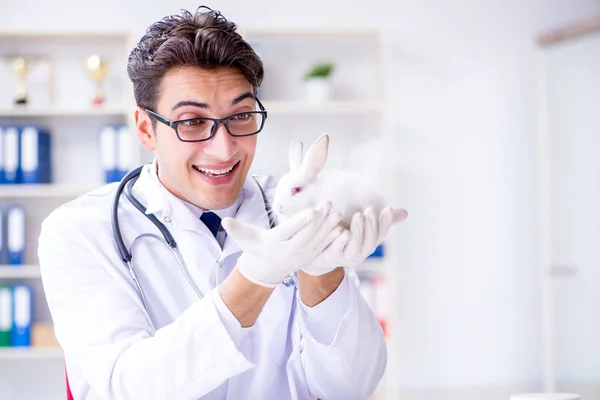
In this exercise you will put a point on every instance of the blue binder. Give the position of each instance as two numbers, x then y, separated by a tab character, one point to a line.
10	154
378	253
35	158
108	152
6	315
22	316
15	234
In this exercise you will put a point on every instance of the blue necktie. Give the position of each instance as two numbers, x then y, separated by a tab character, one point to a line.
212	221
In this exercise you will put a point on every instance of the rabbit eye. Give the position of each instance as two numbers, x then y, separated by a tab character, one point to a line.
296	190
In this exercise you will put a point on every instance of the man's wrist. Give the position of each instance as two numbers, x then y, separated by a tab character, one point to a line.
244	298
315	289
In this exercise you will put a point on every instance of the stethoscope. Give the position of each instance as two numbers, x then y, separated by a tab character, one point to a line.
125	188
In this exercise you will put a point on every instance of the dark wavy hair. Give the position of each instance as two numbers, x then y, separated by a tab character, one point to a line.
204	39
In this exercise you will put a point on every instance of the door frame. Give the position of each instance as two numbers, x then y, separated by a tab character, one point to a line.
544	41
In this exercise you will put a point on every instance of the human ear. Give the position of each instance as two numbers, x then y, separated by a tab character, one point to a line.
143	129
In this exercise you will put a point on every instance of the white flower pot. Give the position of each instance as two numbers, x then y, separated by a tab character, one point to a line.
317	90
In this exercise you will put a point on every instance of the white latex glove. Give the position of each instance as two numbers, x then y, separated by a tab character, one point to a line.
352	247
271	255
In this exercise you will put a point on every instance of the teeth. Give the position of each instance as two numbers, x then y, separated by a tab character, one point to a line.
216	171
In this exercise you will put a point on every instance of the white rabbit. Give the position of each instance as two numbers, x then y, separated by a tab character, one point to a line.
306	185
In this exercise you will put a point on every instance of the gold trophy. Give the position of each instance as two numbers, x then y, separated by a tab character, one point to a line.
97	69
21	68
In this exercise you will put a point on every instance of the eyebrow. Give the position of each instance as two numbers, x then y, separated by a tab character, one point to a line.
204	105
189	103
242	97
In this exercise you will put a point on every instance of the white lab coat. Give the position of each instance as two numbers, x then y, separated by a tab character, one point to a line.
195	348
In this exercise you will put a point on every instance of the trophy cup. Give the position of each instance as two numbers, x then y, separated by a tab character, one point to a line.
97	69
21	68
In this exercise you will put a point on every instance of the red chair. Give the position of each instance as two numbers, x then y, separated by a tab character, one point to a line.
69	394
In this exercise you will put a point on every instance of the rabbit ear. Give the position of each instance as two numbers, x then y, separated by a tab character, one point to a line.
316	156
295	154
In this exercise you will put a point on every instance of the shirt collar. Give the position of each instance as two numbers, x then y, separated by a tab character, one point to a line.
158	196
224	213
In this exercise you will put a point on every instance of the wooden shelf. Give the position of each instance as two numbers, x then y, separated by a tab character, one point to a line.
25	271
42	191
65	112
325	31
245	31
332	107
31	353
63	35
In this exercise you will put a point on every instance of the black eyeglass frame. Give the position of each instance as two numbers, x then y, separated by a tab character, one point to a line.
216	121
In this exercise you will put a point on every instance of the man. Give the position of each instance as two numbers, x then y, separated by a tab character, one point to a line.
221	319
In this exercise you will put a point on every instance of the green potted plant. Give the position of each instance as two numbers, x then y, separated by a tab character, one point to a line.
317	82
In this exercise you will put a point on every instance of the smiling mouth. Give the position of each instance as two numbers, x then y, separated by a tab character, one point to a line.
217	173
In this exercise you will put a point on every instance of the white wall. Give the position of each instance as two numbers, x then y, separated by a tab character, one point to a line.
464	95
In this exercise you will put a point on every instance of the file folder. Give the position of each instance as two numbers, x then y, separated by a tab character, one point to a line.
35	155
108	153
6	318
22	316
15	234
11	154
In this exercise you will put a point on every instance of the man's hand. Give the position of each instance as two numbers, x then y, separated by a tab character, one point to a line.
270	255
351	248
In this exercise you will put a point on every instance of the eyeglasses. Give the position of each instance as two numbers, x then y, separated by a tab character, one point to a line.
201	129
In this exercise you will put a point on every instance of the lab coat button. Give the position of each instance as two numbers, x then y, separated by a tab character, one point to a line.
220	264
167	219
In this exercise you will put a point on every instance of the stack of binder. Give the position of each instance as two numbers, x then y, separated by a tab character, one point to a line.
16	305
16	310
117	145
25	155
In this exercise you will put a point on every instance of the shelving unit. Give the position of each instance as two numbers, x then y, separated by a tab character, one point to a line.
26	271
61	101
